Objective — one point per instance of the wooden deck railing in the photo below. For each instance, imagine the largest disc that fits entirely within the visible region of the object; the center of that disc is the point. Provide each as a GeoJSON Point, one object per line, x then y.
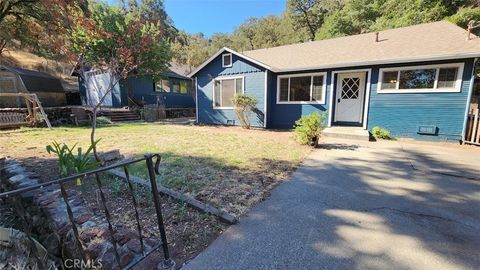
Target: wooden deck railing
{"type": "Point", "coordinates": [472, 135]}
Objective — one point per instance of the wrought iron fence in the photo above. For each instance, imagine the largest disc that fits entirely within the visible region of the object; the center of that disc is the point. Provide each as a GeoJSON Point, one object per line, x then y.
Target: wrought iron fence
{"type": "Point", "coordinates": [152, 162]}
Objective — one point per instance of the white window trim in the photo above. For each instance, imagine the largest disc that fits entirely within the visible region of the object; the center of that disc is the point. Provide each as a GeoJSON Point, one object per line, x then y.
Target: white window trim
{"type": "Point", "coordinates": [456, 89]}
{"type": "Point", "coordinates": [221, 90]}
{"type": "Point", "coordinates": [223, 60]}
{"type": "Point", "coordinates": [324, 87]}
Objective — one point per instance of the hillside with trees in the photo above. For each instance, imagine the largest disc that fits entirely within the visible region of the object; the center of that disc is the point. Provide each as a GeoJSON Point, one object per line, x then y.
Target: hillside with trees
{"type": "Point", "coordinates": [59, 30]}
{"type": "Point", "coordinates": [305, 20]}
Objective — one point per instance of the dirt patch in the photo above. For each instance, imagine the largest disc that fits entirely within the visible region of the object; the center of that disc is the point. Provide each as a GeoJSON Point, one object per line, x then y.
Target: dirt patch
{"type": "Point", "coordinates": [188, 230]}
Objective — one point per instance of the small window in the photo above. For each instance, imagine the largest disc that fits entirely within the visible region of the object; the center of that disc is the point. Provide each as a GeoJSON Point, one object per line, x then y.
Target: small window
{"type": "Point", "coordinates": [162, 86]}
{"type": "Point", "coordinates": [284, 89]}
{"type": "Point", "coordinates": [317, 88]}
{"type": "Point", "coordinates": [301, 88]}
{"type": "Point", "coordinates": [175, 87]}
{"type": "Point", "coordinates": [441, 78]}
{"type": "Point", "coordinates": [227, 60]}
{"type": "Point", "coordinates": [183, 87]}
{"type": "Point", "coordinates": [224, 90]}
{"type": "Point", "coordinates": [447, 77]}
{"type": "Point", "coordinates": [389, 80]}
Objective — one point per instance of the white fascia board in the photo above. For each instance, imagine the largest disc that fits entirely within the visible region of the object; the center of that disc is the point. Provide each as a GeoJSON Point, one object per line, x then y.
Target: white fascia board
{"type": "Point", "coordinates": [232, 52]}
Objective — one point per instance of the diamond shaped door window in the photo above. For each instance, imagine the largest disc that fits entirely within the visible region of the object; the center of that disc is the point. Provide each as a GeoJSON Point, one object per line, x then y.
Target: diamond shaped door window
{"type": "Point", "coordinates": [350, 88]}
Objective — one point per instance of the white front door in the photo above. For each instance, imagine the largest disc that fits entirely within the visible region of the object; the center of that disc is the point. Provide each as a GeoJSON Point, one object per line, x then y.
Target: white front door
{"type": "Point", "coordinates": [349, 97]}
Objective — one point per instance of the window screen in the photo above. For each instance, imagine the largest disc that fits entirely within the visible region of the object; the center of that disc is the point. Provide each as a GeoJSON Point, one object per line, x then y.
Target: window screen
{"type": "Point", "coordinates": [227, 60]}
{"type": "Point", "coordinates": [447, 77]}
{"type": "Point", "coordinates": [389, 80]}
{"type": "Point", "coordinates": [317, 88]}
{"type": "Point", "coordinates": [284, 89]}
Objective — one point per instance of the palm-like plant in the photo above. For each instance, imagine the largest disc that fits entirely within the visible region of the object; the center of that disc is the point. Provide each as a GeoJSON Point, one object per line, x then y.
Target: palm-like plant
{"type": "Point", "coordinates": [73, 163]}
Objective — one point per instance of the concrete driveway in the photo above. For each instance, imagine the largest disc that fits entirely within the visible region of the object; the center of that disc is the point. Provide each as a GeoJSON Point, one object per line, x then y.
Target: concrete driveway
{"type": "Point", "coordinates": [355, 205]}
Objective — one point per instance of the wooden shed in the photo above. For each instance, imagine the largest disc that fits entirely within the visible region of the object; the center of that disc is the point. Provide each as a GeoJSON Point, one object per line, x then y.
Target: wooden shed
{"type": "Point", "coordinates": [48, 88]}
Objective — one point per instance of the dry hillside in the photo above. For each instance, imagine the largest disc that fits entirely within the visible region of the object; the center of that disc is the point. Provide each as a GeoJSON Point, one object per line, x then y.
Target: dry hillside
{"type": "Point", "coordinates": [27, 60]}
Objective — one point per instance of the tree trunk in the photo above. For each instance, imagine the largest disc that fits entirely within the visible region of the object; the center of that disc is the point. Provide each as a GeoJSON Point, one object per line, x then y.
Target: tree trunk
{"type": "Point", "coordinates": [92, 134]}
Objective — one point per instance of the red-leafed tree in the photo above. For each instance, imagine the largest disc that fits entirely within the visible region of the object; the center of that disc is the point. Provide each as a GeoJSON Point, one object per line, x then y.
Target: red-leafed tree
{"type": "Point", "coordinates": [34, 24]}
{"type": "Point", "coordinates": [116, 41]}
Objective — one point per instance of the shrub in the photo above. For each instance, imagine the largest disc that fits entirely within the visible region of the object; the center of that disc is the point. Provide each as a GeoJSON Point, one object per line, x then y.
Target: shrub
{"type": "Point", "coordinates": [103, 121]}
{"type": "Point", "coordinates": [309, 128]}
{"type": "Point", "coordinates": [464, 15]}
{"type": "Point", "coordinates": [243, 105]}
{"type": "Point", "coordinates": [381, 133]}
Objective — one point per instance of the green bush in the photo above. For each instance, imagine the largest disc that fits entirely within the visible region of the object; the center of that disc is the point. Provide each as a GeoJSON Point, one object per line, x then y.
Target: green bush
{"type": "Point", "coordinates": [464, 15]}
{"type": "Point", "coordinates": [103, 121]}
{"type": "Point", "coordinates": [243, 105]}
{"type": "Point", "coordinates": [309, 128]}
{"type": "Point", "coordinates": [381, 133]}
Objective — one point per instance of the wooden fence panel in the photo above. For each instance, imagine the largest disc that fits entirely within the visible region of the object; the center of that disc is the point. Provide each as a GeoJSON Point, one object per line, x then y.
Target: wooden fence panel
{"type": "Point", "coordinates": [472, 135]}
{"type": "Point", "coordinates": [11, 119]}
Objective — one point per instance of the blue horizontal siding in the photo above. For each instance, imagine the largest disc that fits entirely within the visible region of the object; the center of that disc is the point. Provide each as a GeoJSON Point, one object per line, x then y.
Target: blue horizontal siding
{"type": "Point", "coordinates": [254, 78]}
{"type": "Point", "coordinates": [144, 89]}
{"type": "Point", "coordinates": [283, 116]}
{"type": "Point", "coordinates": [402, 113]}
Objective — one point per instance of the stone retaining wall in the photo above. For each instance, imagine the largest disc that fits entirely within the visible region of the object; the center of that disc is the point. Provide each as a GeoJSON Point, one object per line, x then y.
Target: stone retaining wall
{"type": "Point", "coordinates": [48, 215]}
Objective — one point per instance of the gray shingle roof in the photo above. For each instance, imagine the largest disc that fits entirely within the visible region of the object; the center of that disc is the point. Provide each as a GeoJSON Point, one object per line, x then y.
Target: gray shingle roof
{"type": "Point", "coordinates": [430, 41]}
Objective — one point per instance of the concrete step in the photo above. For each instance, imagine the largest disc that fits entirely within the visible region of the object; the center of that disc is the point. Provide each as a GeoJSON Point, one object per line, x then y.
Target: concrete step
{"type": "Point", "coordinates": [353, 133]}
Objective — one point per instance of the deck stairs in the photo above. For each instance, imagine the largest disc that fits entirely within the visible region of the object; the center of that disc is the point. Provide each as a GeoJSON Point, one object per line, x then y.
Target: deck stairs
{"type": "Point", "coordinates": [122, 115]}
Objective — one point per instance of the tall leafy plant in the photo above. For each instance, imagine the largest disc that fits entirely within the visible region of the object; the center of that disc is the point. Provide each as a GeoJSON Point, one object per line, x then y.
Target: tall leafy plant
{"type": "Point", "coordinates": [73, 163]}
{"type": "Point", "coordinates": [244, 104]}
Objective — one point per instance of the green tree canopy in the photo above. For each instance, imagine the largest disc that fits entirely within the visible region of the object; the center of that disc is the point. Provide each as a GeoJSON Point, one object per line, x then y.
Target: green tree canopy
{"type": "Point", "coordinates": [111, 38]}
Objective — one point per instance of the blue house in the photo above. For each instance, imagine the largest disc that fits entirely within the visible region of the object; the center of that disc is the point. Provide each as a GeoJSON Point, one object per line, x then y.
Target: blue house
{"type": "Point", "coordinates": [414, 81]}
{"type": "Point", "coordinates": [174, 90]}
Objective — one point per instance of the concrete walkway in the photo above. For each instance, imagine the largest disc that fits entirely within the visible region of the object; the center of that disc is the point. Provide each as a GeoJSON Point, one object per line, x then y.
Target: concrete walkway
{"type": "Point", "coordinates": [384, 205]}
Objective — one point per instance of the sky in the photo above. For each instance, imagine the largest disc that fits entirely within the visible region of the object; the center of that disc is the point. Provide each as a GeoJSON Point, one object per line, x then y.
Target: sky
{"type": "Point", "coordinates": [210, 16]}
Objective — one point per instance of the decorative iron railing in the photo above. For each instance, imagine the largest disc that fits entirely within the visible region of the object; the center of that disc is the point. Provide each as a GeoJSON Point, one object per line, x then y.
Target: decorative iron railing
{"type": "Point", "coordinates": [152, 162]}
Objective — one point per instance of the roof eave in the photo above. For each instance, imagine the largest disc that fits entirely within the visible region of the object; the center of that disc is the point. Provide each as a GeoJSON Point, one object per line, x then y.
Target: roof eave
{"type": "Point", "coordinates": [383, 62]}
{"type": "Point", "coordinates": [230, 51]}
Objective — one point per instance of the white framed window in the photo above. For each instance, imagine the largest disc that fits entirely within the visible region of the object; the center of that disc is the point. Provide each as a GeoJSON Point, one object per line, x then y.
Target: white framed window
{"type": "Point", "coordinates": [226, 60]}
{"type": "Point", "coordinates": [308, 88]}
{"type": "Point", "coordinates": [224, 89]}
{"type": "Point", "coordinates": [421, 79]}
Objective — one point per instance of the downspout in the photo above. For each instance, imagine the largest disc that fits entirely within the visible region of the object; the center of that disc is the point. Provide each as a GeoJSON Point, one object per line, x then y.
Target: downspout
{"type": "Point", "coordinates": [196, 100]}
{"type": "Point", "coordinates": [469, 98]}
{"type": "Point", "coordinates": [265, 100]}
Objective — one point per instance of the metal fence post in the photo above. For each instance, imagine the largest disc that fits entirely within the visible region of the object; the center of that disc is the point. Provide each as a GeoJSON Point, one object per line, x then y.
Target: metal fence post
{"type": "Point", "coordinates": [167, 263]}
